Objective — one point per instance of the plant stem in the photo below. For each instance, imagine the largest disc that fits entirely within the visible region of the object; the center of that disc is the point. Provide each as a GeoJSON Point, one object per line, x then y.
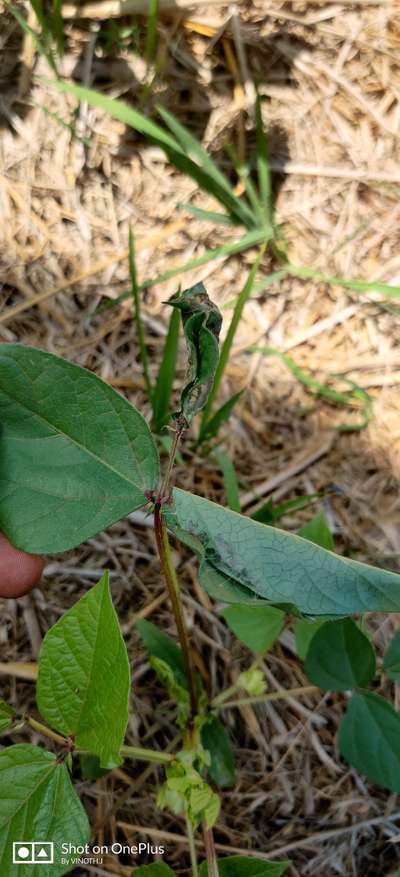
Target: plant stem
{"type": "Point", "coordinates": [164, 552]}
{"type": "Point", "coordinates": [164, 489]}
{"type": "Point", "coordinates": [192, 847]}
{"type": "Point", "coordinates": [137, 752]}
{"type": "Point", "coordinates": [44, 731]}
{"type": "Point", "coordinates": [265, 698]}
{"type": "Point", "coordinates": [141, 754]}
{"type": "Point", "coordinates": [211, 856]}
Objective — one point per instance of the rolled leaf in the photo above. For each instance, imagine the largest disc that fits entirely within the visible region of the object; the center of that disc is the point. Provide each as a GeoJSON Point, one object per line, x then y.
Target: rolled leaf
{"type": "Point", "coordinates": [201, 322]}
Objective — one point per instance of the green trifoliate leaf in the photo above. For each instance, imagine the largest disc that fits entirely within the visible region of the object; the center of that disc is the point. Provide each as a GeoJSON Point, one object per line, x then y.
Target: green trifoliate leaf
{"type": "Point", "coordinates": [201, 322]}
{"type": "Point", "coordinates": [246, 866]}
{"type": "Point", "coordinates": [157, 869]}
{"type": "Point", "coordinates": [257, 627]}
{"type": "Point", "coordinates": [391, 661]}
{"type": "Point", "coordinates": [90, 767]}
{"type": "Point", "coordinates": [242, 560]}
{"type": "Point", "coordinates": [369, 739]}
{"type": "Point", "coordinates": [253, 682]}
{"type": "Point", "coordinates": [6, 715]}
{"type": "Point", "coordinates": [215, 740]}
{"type": "Point", "coordinates": [84, 678]}
{"type": "Point", "coordinates": [185, 791]}
{"type": "Point", "coordinates": [304, 631]}
{"type": "Point", "coordinates": [37, 804]}
{"type": "Point", "coordinates": [317, 531]}
{"type": "Point", "coordinates": [340, 656]}
{"type": "Point", "coordinates": [75, 456]}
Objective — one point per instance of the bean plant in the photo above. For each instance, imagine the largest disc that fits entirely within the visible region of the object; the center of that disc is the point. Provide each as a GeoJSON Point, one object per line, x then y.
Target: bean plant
{"type": "Point", "coordinates": [75, 458]}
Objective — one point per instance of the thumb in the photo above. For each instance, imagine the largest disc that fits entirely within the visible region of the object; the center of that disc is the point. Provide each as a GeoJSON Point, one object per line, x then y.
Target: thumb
{"type": "Point", "coordinates": [19, 571]}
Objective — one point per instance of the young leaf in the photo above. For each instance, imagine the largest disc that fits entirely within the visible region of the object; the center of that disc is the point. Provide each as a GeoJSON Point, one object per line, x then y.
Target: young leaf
{"type": "Point", "coordinates": [215, 740]}
{"type": "Point", "coordinates": [6, 715]}
{"type": "Point", "coordinates": [165, 378]}
{"type": "Point", "coordinates": [37, 802]}
{"type": "Point", "coordinates": [160, 645]}
{"type": "Point", "coordinates": [246, 866]}
{"type": "Point", "coordinates": [201, 322]}
{"type": "Point", "coordinates": [157, 869]}
{"type": "Point", "coordinates": [391, 661]}
{"type": "Point", "coordinates": [84, 678]}
{"type": "Point", "coordinates": [369, 739]}
{"type": "Point", "coordinates": [245, 560]}
{"type": "Point", "coordinates": [75, 456]}
{"type": "Point", "coordinates": [340, 657]}
{"type": "Point", "coordinates": [304, 631]}
{"type": "Point", "coordinates": [258, 627]}
{"type": "Point", "coordinates": [317, 531]}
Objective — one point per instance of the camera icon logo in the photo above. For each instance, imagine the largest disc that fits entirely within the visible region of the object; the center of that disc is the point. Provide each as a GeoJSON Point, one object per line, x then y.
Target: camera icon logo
{"type": "Point", "coordinates": [37, 853]}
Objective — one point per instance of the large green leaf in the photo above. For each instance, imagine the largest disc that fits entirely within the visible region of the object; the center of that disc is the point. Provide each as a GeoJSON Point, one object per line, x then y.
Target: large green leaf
{"type": "Point", "coordinates": [258, 627]}
{"type": "Point", "coordinates": [242, 560]}
{"type": "Point", "coordinates": [369, 739]}
{"type": "Point", "coordinates": [37, 803]}
{"type": "Point", "coordinates": [246, 866]}
{"type": "Point", "coordinates": [201, 322]}
{"type": "Point", "coordinates": [215, 739]}
{"type": "Point", "coordinates": [340, 656]}
{"type": "Point", "coordinates": [391, 661]}
{"type": "Point", "coordinates": [84, 678]}
{"type": "Point", "coordinates": [74, 455]}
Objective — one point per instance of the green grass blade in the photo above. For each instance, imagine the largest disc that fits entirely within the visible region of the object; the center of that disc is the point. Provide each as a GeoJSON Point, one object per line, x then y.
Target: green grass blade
{"type": "Point", "coordinates": [218, 185]}
{"type": "Point", "coordinates": [208, 215]}
{"type": "Point", "coordinates": [250, 239]}
{"type": "Point", "coordinates": [165, 378]}
{"type": "Point", "coordinates": [269, 513]}
{"type": "Point", "coordinates": [356, 396]}
{"type": "Point", "coordinates": [226, 347]}
{"type": "Point", "coordinates": [211, 427]}
{"type": "Point", "coordinates": [263, 169]}
{"type": "Point", "coordinates": [58, 26]}
{"type": "Point", "coordinates": [151, 35]}
{"type": "Point", "coordinates": [135, 293]}
{"type": "Point", "coordinates": [230, 480]}
{"type": "Point", "coordinates": [40, 43]}
{"type": "Point", "coordinates": [355, 285]}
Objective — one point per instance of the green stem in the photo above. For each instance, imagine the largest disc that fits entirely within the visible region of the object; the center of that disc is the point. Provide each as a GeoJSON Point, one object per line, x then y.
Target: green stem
{"type": "Point", "coordinates": [265, 698]}
{"type": "Point", "coordinates": [135, 293]}
{"type": "Point", "coordinates": [137, 752]}
{"type": "Point", "coordinates": [164, 552]}
{"type": "Point", "coordinates": [192, 847]}
{"type": "Point", "coordinates": [211, 856]}
{"type": "Point", "coordinates": [44, 730]}
{"type": "Point", "coordinates": [140, 754]}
